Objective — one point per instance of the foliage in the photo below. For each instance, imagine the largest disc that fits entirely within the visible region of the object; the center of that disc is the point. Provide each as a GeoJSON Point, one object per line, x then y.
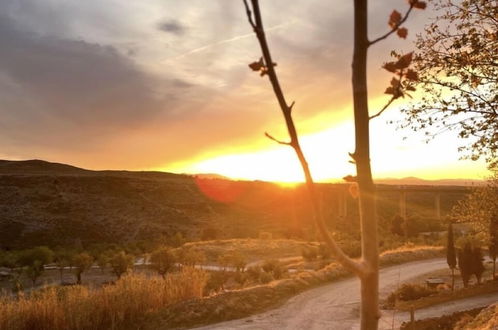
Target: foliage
{"type": "Point", "coordinates": [470, 261]}
{"type": "Point", "coordinates": [465, 263]}
{"type": "Point", "coordinates": [233, 259]}
{"type": "Point", "coordinates": [493, 241]}
{"type": "Point", "coordinates": [103, 260]}
{"type": "Point", "coordinates": [162, 260]}
{"type": "Point", "coordinates": [324, 252]}
{"type": "Point", "coordinates": [191, 257]}
{"type": "Point", "coordinates": [120, 306]}
{"type": "Point", "coordinates": [33, 260]}
{"type": "Point", "coordinates": [450, 248]}
{"type": "Point", "coordinates": [457, 66]}
{"type": "Point", "coordinates": [397, 225]}
{"type": "Point", "coordinates": [121, 263]}
{"type": "Point", "coordinates": [479, 208]}
{"type": "Point", "coordinates": [274, 268]}
{"type": "Point", "coordinates": [82, 262]}
{"type": "Point", "coordinates": [216, 282]}
{"type": "Point", "coordinates": [309, 253]}
{"type": "Point", "coordinates": [407, 292]}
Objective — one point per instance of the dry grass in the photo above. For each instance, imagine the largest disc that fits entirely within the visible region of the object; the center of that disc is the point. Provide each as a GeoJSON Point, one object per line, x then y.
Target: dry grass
{"type": "Point", "coordinates": [118, 306]}
{"type": "Point", "coordinates": [252, 249]}
{"type": "Point", "coordinates": [487, 319]}
{"type": "Point", "coordinates": [445, 296]}
{"type": "Point", "coordinates": [410, 253]}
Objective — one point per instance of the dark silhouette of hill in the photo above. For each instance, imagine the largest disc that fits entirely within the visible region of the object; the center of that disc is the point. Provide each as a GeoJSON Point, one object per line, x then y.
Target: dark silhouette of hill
{"type": "Point", "coordinates": [422, 182]}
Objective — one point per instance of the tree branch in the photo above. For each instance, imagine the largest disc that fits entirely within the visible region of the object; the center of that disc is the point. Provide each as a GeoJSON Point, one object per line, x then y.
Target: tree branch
{"type": "Point", "coordinates": [276, 140]}
{"type": "Point", "coordinates": [257, 24]}
{"type": "Point", "coordinates": [397, 26]}
{"type": "Point", "coordinates": [383, 109]}
{"type": "Point", "coordinates": [249, 15]}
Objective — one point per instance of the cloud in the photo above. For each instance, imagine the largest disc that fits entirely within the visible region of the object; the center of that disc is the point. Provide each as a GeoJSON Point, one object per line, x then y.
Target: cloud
{"type": "Point", "coordinates": [172, 26]}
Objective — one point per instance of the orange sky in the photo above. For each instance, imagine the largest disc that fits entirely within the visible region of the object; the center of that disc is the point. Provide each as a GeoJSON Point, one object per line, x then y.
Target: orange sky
{"type": "Point", "coordinates": [164, 85]}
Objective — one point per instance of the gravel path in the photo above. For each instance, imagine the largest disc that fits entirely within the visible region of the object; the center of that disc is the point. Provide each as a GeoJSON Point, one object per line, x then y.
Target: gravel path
{"type": "Point", "coordinates": [336, 305]}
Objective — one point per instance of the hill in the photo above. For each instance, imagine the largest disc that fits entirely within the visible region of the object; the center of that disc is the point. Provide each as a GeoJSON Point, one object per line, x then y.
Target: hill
{"type": "Point", "coordinates": [57, 204]}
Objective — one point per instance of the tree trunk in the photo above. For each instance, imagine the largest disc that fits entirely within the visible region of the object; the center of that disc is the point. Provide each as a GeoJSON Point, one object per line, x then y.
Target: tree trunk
{"type": "Point", "coordinates": [78, 278]}
{"type": "Point", "coordinates": [370, 256]}
{"type": "Point", "coordinates": [494, 268]}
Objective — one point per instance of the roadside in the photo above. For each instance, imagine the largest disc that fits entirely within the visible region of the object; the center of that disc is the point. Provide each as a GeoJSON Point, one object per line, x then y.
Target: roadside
{"type": "Point", "coordinates": [396, 318]}
{"type": "Point", "coordinates": [238, 304]}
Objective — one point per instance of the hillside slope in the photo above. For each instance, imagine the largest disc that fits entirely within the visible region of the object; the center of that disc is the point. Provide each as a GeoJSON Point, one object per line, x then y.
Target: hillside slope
{"type": "Point", "coordinates": [57, 204]}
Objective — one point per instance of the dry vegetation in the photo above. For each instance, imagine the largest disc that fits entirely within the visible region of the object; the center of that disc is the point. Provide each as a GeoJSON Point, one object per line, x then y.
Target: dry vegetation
{"type": "Point", "coordinates": [252, 249]}
{"type": "Point", "coordinates": [118, 306]}
{"type": "Point", "coordinates": [487, 319]}
{"type": "Point", "coordinates": [247, 301]}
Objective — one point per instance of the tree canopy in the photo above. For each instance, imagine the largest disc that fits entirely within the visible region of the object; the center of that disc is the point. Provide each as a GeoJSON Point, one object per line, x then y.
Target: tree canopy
{"type": "Point", "coordinates": [457, 65]}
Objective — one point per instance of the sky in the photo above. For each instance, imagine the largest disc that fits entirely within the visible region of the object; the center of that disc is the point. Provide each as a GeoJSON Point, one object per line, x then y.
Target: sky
{"type": "Point", "coordinates": [164, 85]}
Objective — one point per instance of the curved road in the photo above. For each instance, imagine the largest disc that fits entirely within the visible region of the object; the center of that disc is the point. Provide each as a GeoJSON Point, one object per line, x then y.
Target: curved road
{"type": "Point", "coordinates": [335, 305]}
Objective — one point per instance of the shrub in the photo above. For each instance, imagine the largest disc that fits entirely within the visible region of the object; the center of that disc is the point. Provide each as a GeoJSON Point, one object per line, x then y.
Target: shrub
{"type": "Point", "coordinates": [407, 292]}
{"type": "Point", "coordinates": [216, 282]}
{"type": "Point", "coordinates": [309, 253]}
{"type": "Point", "coordinates": [324, 251]}
{"type": "Point", "coordinates": [254, 273]}
{"type": "Point", "coordinates": [82, 262]}
{"type": "Point", "coordinates": [162, 261]}
{"type": "Point", "coordinates": [120, 263]}
{"type": "Point", "coordinates": [265, 277]}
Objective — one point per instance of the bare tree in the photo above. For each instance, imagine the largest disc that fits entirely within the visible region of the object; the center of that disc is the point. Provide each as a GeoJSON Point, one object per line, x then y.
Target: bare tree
{"type": "Point", "coordinates": [367, 268]}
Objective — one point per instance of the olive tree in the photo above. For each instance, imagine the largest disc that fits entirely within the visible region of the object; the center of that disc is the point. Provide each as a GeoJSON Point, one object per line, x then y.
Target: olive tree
{"type": "Point", "coordinates": [82, 262]}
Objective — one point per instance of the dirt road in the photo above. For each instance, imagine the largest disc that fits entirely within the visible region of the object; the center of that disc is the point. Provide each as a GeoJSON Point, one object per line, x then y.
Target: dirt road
{"type": "Point", "coordinates": [333, 306]}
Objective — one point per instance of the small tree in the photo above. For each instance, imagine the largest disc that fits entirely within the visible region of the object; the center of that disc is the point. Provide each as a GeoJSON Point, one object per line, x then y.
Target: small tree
{"type": "Point", "coordinates": [397, 225]}
{"type": "Point", "coordinates": [191, 257]}
{"type": "Point", "coordinates": [451, 254]}
{"type": "Point", "coordinates": [493, 241]}
{"type": "Point", "coordinates": [103, 260]}
{"type": "Point", "coordinates": [34, 260]}
{"type": "Point", "coordinates": [162, 261]}
{"type": "Point", "coordinates": [465, 263]}
{"type": "Point", "coordinates": [82, 262]}
{"type": "Point", "coordinates": [121, 263]}
{"type": "Point", "coordinates": [62, 258]}
{"type": "Point", "coordinates": [477, 267]}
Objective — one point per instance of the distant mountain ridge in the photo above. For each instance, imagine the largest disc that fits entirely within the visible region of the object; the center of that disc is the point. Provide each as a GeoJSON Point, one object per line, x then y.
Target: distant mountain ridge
{"type": "Point", "coordinates": [414, 181]}
{"type": "Point", "coordinates": [42, 167]}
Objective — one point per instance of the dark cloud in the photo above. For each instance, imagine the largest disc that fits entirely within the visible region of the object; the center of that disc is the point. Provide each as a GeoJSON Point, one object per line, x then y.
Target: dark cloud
{"type": "Point", "coordinates": [172, 26]}
{"type": "Point", "coordinates": [70, 90]}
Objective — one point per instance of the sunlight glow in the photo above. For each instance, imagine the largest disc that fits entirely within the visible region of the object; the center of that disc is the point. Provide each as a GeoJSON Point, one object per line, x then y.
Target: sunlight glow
{"type": "Point", "coordinates": [327, 152]}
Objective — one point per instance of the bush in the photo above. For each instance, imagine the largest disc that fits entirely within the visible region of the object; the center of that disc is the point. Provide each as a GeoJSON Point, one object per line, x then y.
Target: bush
{"type": "Point", "coordinates": [407, 292]}
{"type": "Point", "coordinates": [324, 251]}
{"type": "Point", "coordinates": [216, 282]}
{"type": "Point", "coordinates": [254, 273]}
{"type": "Point", "coordinates": [265, 277]}
{"type": "Point", "coordinates": [310, 253]}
